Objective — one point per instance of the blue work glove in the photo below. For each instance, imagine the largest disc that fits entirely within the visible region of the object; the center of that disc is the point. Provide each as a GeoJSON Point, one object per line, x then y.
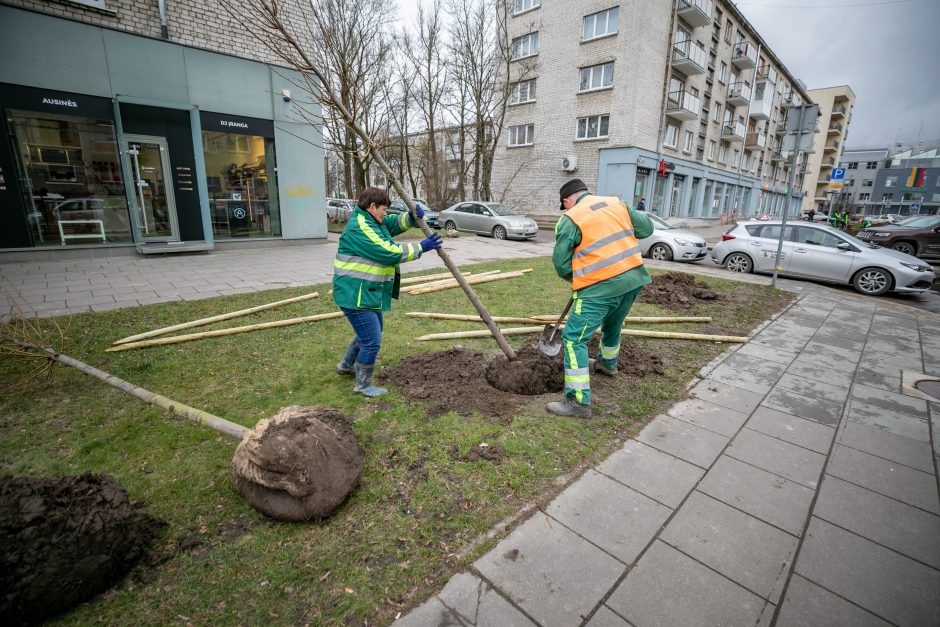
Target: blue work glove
{"type": "Point", "coordinates": [433, 242]}
{"type": "Point", "coordinates": [419, 210]}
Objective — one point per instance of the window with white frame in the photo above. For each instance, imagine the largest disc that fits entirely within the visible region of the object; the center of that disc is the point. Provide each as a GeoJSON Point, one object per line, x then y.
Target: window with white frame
{"type": "Point", "coordinates": [597, 77]}
{"type": "Point", "coordinates": [717, 112]}
{"type": "Point", "coordinates": [522, 135]}
{"type": "Point", "coordinates": [672, 136]}
{"type": "Point", "coordinates": [735, 157]}
{"type": "Point", "coordinates": [722, 71]}
{"type": "Point", "coordinates": [864, 197]}
{"type": "Point", "coordinates": [95, 4]}
{"type": "Point", "coordinates": [852, 166]}
{"type": "Point", "coordinates": [593, 126]}
{"type": "Point", "coordinates": [521, 92]}
{"type": "Point", "coordinates": [868, 183]}
{"type": "Point", "coordinates": [525, 5]}
{"type": "Point", "coordinates": [722, 153]}
{"type": "Point", "coordinates": [871, 165]}
{"type": "Point", "coordinates": [525, 46]}
{"type": "Point", "coordinates": [711, 150]}
{"type": "Point", "coordinates": [600, 24]}
{"type": "Point", "coordinates": [687, 142]}
{"type": "Point", "coordinates": [891, 181]}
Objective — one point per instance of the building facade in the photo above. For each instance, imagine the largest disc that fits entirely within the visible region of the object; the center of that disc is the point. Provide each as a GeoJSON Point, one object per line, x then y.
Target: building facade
{"type": "Point", "coordinates": [835, 113]}
{"type": "Point", "coordinates": [134, 130]}
{"type": "Point", "coordinates": [909, 184]}
{"type": "Point", "coordinates": [861, 169]}
{"type": "Point", "coordinates": [680, 103]}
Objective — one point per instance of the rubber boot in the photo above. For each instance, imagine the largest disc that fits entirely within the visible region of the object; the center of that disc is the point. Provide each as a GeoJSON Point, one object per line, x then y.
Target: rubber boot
{"type": "Point", "coordinates": [569, 407]}
{"type": "Point", "coordinates": [364, 382]}
{"type": "Point", "coordinates": [346, 365]}
{"type": "Point", "coordinates": [596, 365]}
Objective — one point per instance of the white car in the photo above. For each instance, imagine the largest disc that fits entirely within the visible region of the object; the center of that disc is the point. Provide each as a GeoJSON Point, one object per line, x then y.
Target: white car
{"type": "Point", "coordinates": [667, 243]}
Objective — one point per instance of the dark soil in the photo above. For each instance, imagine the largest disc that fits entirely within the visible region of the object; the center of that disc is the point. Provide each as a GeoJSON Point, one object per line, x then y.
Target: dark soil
{"type": "Point", "coordinates": [533, 373]}
{"type": "Point", "coordinates": [634, 360]}
{"type": "Point", "coordinates": [491, 453]}
{"type": "Point", "coordinates": [300, 464]}
{"type": "Point", "coordinates": [676, 290]}
{"type": "Point", "coordinates": [64, 540]}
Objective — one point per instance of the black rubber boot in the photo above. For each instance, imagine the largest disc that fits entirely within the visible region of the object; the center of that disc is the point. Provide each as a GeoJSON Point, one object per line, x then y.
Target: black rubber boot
{"type": "Point", "coordinates": [569, 407]}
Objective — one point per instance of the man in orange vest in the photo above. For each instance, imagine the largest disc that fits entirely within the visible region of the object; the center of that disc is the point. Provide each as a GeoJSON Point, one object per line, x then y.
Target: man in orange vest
{"type": "Point", "coordinates": [596, 249]}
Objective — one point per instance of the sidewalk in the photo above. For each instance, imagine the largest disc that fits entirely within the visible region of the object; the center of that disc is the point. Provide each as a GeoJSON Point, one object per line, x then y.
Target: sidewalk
{"type": "Point", "coordinates": [796, 486]}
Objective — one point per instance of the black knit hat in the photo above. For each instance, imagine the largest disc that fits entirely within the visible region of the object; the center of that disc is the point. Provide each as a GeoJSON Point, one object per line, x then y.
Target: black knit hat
{"type": "Point", "coordinates": [571, 187]}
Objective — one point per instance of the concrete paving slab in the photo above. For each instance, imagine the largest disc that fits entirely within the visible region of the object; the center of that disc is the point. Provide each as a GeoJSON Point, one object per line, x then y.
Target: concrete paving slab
{"type": "Point", "coordinates": [810, 370]}
{"type": "Point", "coordinates": [813, 388]}
{"type": "Point", "coordinates": [741, 547]}
{"type": "Point", "coordinates": [555, 575]}
{"type": "Point", "coordinates": [783, 426]}
{"type": "Point", "coordinates": [781, 458]}
{"type": "Point", "coordinates": [477, 603]}
{"type": "Point", "coordinates": [773, 499]}
{"type": "Point", "coordinates": [880, 380]}
{"type": "Point", "coordinates": [768, 353]}
{"type": "Point", "coordinates": [905, 529]}
{"type": "Point", "coordinates": [907, 451]}
{"type": "Point", "coordinates": [619, 520]}
{"type": "Point", "coordinates": [885, 477]}
{"type": "Point", "coordinates": [781, 342]}
{"type": "Point", "coordinates": [808, 407]}
{"type": "Point", "coordinates": [708, 416]}
{"type": "Point", "coordinates": [726, 395]}
{"type": "Point", "coordinates": [686, 441]}
{"type": "Point", "coordinates": [748, 372]}
{"type": "Point", "coordinates": [649, 471]}
{"type": "Point", "coordinates": [841, 339]}
{"type": "Point", "coordinates": [605, 617]}
{"type": "Point", "coordinates": [886, 583]}
{"type": "Point", "coordinates": [831, 357]}
{"type": "Point", "coordinates": [889, 421]}
{"type": "Point", "coordinates": [874, 359]}
{"type": "Point", "coordinates": [808, 605]}
{"type": "Point", "coordinates": [892, 401]}
{"type": "Point", "coordinates": [648, 596]}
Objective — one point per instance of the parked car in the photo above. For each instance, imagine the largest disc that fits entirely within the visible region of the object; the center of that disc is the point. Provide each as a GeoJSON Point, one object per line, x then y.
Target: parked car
{"type": "Point", "coordinates": [820, 252]}
{"type": "Point", "coordinates": [667, 243]}
{"type": "Point", "coordinates": [882, 220]}
{"type": "Point", "coordinates": [339, 209]}
{"type": "Point", "coordinates": [917, 235]}
{"type": "Point", "coordinates": [489, 218]}
{"type": "Point", "coordinates": [430, 216]}
{"type": "Point", "coordinates": [79, 209]}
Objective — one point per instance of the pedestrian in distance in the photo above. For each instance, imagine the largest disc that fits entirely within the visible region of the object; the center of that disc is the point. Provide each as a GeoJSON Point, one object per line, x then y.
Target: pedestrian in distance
{"type": "Point", "coordinates": [641, 206]}
{"type": "Point", "coordinates": [366, 279]}
{"type": "Point", "coordinates": [811, 214]}
{"type": "Point", "coordinates": [596, 248]}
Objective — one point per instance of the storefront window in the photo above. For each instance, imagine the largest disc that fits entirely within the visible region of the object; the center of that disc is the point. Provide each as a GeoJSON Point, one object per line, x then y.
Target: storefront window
{"type": "Point", "coordinates": [240, 174]}
{"type": "Point", "coordinates": [659, 195]}
{"type": "Point", "coordinates": [639, 187]}
{"type": "Point", "coordinates": [73, 176]}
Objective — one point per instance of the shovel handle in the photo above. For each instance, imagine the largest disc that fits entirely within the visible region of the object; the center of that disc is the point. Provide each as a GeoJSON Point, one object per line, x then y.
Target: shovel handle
{"type": "Point", "coordinates": [551, 338]}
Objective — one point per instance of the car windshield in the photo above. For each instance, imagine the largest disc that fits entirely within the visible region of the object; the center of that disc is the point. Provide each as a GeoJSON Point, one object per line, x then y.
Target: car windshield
{"type": "Point", "coordinates": [920, 222]}
{"type": "Point", "coordinates": [501, 210]}
{"type": "Point", "coordinates": [659, 223]}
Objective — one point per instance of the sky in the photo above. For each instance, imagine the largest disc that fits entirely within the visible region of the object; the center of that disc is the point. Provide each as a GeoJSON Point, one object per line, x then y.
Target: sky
{"type": "Point", "coordinates": [886, 50]}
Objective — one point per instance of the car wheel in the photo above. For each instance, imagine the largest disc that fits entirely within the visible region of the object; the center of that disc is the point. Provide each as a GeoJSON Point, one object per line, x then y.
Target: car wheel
{"type": "Point", "coordinates": [499, 232]}
{"type": "Point", "coordinates": [739, 262]}
{"type": "Point", "coordinates": [450, 225]}
{"type": "Point", "coordinates": [904, 247]}
{"type": "Point", "coordinates": [872, 282]}
{"type": "Point", "coordinates": [660, 252]}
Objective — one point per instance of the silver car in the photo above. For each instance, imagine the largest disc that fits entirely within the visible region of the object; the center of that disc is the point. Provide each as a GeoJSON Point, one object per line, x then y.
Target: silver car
{"type": "Point", "coordinates": [667, 243]}
{"type": "Point", "coordinates": [820, 252]}
{"type": "Point", "coordinates": [488, 218]}
{"type": "Point", "coordinates": [339, 209]}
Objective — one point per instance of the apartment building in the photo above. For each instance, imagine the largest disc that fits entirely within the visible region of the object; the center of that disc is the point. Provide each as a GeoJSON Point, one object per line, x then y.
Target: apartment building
{"type": "Point", "coordinates": [835, 114]}
{"type": "Point", "coordinates": [149, 126]}
{"type": "Point", "coordinates": [908, 183]}
{"type": "Point", "coordinates": [861, 169]}
{"type": "Point", "coordinates": [681, 103]}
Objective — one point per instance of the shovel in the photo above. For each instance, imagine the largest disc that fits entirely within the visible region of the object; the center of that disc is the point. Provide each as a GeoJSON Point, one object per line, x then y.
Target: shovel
{"type": "Point", "coordinates": [550, 342]}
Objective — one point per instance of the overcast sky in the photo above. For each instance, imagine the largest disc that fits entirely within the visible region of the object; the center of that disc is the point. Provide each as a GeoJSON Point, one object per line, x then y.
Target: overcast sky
{"type": "Point", "coordinates": [887, 51]}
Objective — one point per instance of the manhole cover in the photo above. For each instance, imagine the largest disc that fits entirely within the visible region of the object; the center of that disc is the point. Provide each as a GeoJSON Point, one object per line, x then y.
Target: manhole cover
{"type": "Point", "coordinates": [929, 387]}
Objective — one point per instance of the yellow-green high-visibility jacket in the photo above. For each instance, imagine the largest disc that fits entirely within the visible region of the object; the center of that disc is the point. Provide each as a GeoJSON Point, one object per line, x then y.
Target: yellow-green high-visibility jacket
{"type": "Point", "coordinates": [365, 271]}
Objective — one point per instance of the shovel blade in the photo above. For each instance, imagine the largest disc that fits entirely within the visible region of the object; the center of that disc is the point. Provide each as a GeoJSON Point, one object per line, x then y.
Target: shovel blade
{"type": "Point", "coordinates": [548, 345]}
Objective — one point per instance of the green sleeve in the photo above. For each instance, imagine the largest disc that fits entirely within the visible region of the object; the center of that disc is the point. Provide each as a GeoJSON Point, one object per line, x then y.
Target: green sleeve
{"type": "Point", "coordinates": [642, 225]}
{"type": "Point", "coordinates": [398, 223]}
{"type": "Point", "coordinates": [368, 243]}
{"type": "Point", "coordinates": [567, 237]}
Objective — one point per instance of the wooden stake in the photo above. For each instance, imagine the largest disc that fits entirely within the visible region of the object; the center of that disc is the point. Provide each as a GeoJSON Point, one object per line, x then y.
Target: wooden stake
{"type": "Point", "coordinates": [429, 277]}
{"type": "Point", "coordinates": [219, 318]}
{"type": "Point", "coordinates": [635, 332]}
{"type": "Point", "coordinates": [198, 336]}
{"type": "Point", "coordinates": [472, 281]}
{"type": "Point", "coordinates": [552, 319]}
{"type": "Point", "coordinates": [419, 286]}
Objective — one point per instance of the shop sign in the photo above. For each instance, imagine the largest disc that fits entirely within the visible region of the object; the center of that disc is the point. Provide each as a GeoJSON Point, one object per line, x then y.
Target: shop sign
{"type": "Point", "coordinates": [221, 122]}
{"type": "Point", "coordinates": [48, 101]}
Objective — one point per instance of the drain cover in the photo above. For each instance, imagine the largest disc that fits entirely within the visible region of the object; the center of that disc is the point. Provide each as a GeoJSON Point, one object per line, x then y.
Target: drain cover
{"type": "Point", "coordinates": [929, 387]}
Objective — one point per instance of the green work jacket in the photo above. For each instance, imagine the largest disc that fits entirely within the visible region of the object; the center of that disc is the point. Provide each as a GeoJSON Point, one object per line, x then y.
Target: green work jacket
{"type": "Point", "coordinates": [365, 271]}
{"type": "Point", "coordinates": [568, 237]}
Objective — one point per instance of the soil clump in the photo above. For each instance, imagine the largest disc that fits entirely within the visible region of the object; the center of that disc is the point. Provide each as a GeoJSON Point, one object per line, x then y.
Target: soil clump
{"type": "Point", "coordinates": [676, 290]}
{"type": "Point", "coordinates": [66, 539]}
{"type": "Point", "coordinates": [300, 464]}
{"type": "Point", "coordinates": [533, 373]}
{"type": "Point", "coordinates": [490, 453]}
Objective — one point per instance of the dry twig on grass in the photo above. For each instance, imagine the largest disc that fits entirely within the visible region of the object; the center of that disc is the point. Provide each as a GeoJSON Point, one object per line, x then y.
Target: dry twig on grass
{"type": "Point", "coordinates": [18, 330]}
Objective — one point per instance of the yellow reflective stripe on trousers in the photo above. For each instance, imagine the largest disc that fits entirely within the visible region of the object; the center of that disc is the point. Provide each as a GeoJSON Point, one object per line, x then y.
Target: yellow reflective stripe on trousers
{"type": "Point", "coordinates": [609, 352]}
{"type": "Point", "coordinates": [576, 385]}
{"type": "Point", "coordinates": [577, 306]}
{"type": "Point", "coordinates": [375, 238]}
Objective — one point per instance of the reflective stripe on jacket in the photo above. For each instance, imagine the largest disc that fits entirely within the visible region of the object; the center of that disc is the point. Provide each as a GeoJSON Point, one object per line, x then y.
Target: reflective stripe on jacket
{"type": "Point", "coordinates": [608, 245]}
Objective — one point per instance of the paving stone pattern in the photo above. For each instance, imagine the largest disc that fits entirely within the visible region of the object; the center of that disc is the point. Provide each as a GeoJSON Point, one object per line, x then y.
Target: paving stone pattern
{"type": "Point", "coordinates": [796, 486]}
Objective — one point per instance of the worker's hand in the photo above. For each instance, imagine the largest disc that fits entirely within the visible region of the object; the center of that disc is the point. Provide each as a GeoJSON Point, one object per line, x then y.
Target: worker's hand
{"type": "Point", "coordinates": [433, 242]}
{"type": "Point", "coordinates": [419, 211]}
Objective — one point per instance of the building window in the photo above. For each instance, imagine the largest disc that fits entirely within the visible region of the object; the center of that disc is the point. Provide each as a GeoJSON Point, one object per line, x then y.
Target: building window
{"type": "Point", "coordinates": [672, 136]}
{"type": "Point", "coordinates": [852, 166]}
{"type": "Point", "coordinates": [850, 183]}
{"type": "Point", "coordinates": [722, 153]}
{"type": "Point", "coordinates": [868, 183]}
{"type": "Point", "coordinates": [597, 77]}
{"type": "Point", "coordinates": [600, 24]}
{"type": "Point", "coordinates": [728, 29]}
{"type": "Point", "coordinates": [593, 127]}
{"type": "Point", "coordinates": [722, 72]}
{"type": "Point", "coordinates": [871, 165]}
{"type": "Point", "coordinates": [522, 92]}
{"type": "Point", "coordinates": [864, 197]}
{"type": "Point", "coordinates": [522, 135]}
{"type": "Point", "coordinates": [525, 46]}
{"type": "Point", "coordinates": [526, 5]}
{"type": "Point", "coordinates": [717, 112]}
{"type": "Point", "coordinates": [95, 4]}
{"type": "Point", "coordinates": [891, 181]}
{"type": "Point", "coordinates": [711, 150]}
{"type": "Point", "coordinates": [887, 197]}
{"type": "Point", "coordinates": [735, 157]}
{"type": "Point", "coordinates": [687, 143]}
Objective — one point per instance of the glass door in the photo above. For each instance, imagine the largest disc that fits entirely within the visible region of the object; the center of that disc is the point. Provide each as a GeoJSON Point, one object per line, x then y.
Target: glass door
{"type": "Point", "coordinates": [153, 188]}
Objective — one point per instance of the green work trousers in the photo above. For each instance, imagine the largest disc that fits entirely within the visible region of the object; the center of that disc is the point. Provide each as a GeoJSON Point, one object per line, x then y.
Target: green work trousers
{"type": "Point", "coordinates": [587, 315]}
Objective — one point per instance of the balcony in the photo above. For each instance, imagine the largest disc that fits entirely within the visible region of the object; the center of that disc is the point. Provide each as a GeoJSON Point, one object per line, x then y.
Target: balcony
{"type": "Point", "coordinates": [838, 111]}
{"type": "Point", "coordinates": [756, 141]}
{"type": "Point", "coordinates": [739, 94]}
{"type": "Point", "coordinates": [791, 99]}
{"type": "Point", "coordinates": [763, 106]}
{"type": "Point", "coordinates": [688, 57]}
{"type": "Point", "coordinates": [744, 57]}
{"type": "Point", "coordinates": [779, 157]}
{"type": "Point", "coordinates": [833, 147]}
{"type": "Point", "coordinates": [695, 13]}
{"type": "Point", "coordinates": [733, 131]}
{"type": "Point", "coordinates": [682, 105]}
{"type": "Point", "coordinates": [828, 163]}
{"type": "Point", "coordinates": [834, 129]}
{"type": "Point", "coordinates": [765, 73]}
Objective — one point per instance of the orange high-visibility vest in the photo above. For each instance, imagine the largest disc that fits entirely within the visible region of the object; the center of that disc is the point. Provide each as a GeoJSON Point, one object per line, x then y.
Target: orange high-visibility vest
{"type": "Point", "coordinates": [608, 246]}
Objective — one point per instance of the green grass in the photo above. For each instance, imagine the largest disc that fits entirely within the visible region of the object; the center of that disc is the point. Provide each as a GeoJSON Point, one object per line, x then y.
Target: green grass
{"type": "Point", "coordinates": [395, 538]}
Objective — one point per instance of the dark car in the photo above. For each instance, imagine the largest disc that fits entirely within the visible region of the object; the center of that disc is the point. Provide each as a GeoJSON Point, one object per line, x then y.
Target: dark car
{"type": "Point", "coordinates": [430, 216]}
{"type": "Point", "coordinates": [918, 236]}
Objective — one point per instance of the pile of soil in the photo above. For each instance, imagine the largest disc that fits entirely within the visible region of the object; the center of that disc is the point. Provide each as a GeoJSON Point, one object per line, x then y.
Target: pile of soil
{"type": "Point", "coordinates": [64, 540]}
{"type": "Point", "coordinates": [533, 373]}
{"type": "Point", "coordinates": [300, 464]}
{"type": "Point", "coordinates": [634, 360]}
{"type": "Point", "coordinates": [676, 290]}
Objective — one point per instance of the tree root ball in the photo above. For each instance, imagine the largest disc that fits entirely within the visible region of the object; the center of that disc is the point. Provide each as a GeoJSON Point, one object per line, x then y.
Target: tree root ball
{"type": "Point", "coordinates": [300, 464]}
{"type": "Point", "coordinates": [64, 540]}
{"type": "Point", "coordinates": [531, 374]}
